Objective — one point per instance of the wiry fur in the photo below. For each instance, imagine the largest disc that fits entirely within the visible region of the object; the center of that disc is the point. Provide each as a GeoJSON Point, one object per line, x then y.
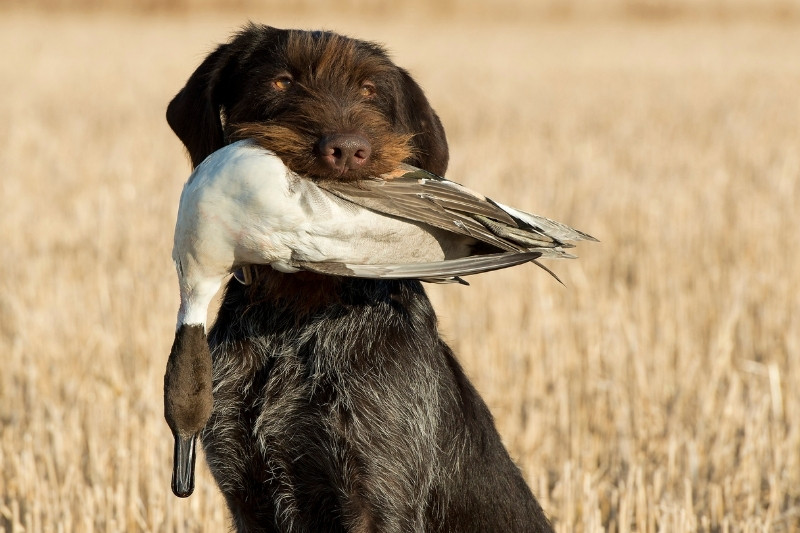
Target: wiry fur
{"type": "Point", "coordinates": [337, 406]}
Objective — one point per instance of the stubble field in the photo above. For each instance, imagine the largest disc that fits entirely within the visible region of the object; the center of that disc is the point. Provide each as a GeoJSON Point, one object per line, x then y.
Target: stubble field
{"type": "Point", "coordinates": [659, 390]}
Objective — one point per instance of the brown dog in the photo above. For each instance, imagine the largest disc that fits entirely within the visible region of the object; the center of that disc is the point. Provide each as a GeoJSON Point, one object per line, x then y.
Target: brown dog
{"type": "Point", "coordinates": [337, 406]}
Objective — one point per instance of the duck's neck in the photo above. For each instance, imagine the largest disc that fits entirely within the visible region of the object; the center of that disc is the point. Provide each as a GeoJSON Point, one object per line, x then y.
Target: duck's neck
{"type": "Point", "coordinates": [195, 299]}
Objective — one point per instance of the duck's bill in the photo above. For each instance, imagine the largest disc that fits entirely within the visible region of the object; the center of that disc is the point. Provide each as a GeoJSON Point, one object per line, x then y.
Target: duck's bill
{"type": "Point", "coordinates": [183, 466]}
{"type": "Point", "coordinates": [437, 272]}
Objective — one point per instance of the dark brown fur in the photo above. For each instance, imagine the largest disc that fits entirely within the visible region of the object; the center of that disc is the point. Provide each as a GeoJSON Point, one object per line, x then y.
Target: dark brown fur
{"type": "Point", "coordinates": [337, 406]}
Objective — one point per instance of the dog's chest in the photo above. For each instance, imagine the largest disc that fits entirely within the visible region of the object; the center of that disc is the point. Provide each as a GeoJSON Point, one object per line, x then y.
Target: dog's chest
{"type": "Point", "coordinates": [316, 409]}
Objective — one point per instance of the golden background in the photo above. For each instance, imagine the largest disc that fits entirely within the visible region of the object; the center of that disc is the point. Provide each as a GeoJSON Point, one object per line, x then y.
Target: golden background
{"type": "Point", "coordinates": [658, 391]}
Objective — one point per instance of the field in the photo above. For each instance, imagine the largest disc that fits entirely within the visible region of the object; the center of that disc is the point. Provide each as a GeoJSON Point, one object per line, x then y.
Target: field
{"type": "Point", "coordinates": [657, 390]}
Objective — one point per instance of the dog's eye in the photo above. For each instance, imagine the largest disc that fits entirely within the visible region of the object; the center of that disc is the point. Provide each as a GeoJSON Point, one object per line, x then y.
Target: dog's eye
{"type": "Point", "coordinates": [282, 83]}
{"type": "Point", "coordinates": [367, 89]}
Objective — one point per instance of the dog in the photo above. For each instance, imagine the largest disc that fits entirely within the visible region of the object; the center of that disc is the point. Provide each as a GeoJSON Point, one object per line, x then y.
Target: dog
{"type": "Point", "coordinates": [337, 405]}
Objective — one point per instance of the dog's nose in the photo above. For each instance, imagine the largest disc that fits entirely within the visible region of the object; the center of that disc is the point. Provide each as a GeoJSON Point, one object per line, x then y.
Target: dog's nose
{"type": "Point", "coordinates": [343, 152]}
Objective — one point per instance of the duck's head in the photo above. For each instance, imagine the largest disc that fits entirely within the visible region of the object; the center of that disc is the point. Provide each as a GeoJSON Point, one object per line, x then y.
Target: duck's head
{"type": "Point", "coordinates": [187, 400]}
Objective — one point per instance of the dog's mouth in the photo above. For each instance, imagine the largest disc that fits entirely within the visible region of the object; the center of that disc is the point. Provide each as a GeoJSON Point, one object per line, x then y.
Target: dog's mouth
{"type": "Point", "coordinates": [340, 156]}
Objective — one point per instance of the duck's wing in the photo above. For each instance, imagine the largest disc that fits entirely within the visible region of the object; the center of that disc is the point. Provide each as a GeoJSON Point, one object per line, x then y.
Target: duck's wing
{"type": "Point", "coordinates": [417, 195]}
{"type": "Point", "coordinates": [447, 271]}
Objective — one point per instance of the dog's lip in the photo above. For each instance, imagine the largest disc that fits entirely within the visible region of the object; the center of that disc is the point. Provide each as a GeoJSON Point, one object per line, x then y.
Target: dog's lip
{"type": "Point", "coordinates": [344, 173]}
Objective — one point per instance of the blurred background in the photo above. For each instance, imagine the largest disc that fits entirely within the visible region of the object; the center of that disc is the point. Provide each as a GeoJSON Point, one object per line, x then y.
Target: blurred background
{"type": "Point", "coordinates": [657, 390]}
{"type": "Point", "coordinates": [309, 9]}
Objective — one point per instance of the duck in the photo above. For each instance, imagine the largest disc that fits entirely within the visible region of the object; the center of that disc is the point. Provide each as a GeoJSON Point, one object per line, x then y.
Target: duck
{"type": "Point", "coordinates": [242, 206]}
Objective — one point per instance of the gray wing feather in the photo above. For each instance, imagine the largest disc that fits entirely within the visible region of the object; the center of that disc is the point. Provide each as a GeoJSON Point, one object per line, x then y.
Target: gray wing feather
{"type": "Point", "coordinates": [423, 197]}
{"type": "Point", "coordinates": [436, 271]}
{"type": "Point", "coordinates": [420, 200]}
{"type": "Point", "coordinates": [555, 229]}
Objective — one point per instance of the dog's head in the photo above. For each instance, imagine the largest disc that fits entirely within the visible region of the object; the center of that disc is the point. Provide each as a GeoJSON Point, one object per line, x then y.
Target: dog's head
{"type": "Point", "coordinates": [327, 105]}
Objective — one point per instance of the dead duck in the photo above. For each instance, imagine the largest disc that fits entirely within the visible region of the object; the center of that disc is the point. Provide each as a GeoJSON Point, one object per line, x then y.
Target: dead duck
{"type": "Point", "coordinates": [242, 206]}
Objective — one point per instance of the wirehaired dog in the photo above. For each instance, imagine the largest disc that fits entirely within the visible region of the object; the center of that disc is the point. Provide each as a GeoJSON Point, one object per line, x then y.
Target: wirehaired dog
{"type": "Point", "coordinates": [337, 406]}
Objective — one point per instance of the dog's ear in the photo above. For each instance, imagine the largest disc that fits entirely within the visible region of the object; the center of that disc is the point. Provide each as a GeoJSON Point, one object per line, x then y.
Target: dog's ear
{"type": "Point", "coordinates": [194, 113]}
{"type": "Point", "coordinates": [430, 142]}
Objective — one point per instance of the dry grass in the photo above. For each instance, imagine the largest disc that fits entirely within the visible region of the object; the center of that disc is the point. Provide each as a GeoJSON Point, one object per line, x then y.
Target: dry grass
{"type": "Point", "coordinates": [658, 391]}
